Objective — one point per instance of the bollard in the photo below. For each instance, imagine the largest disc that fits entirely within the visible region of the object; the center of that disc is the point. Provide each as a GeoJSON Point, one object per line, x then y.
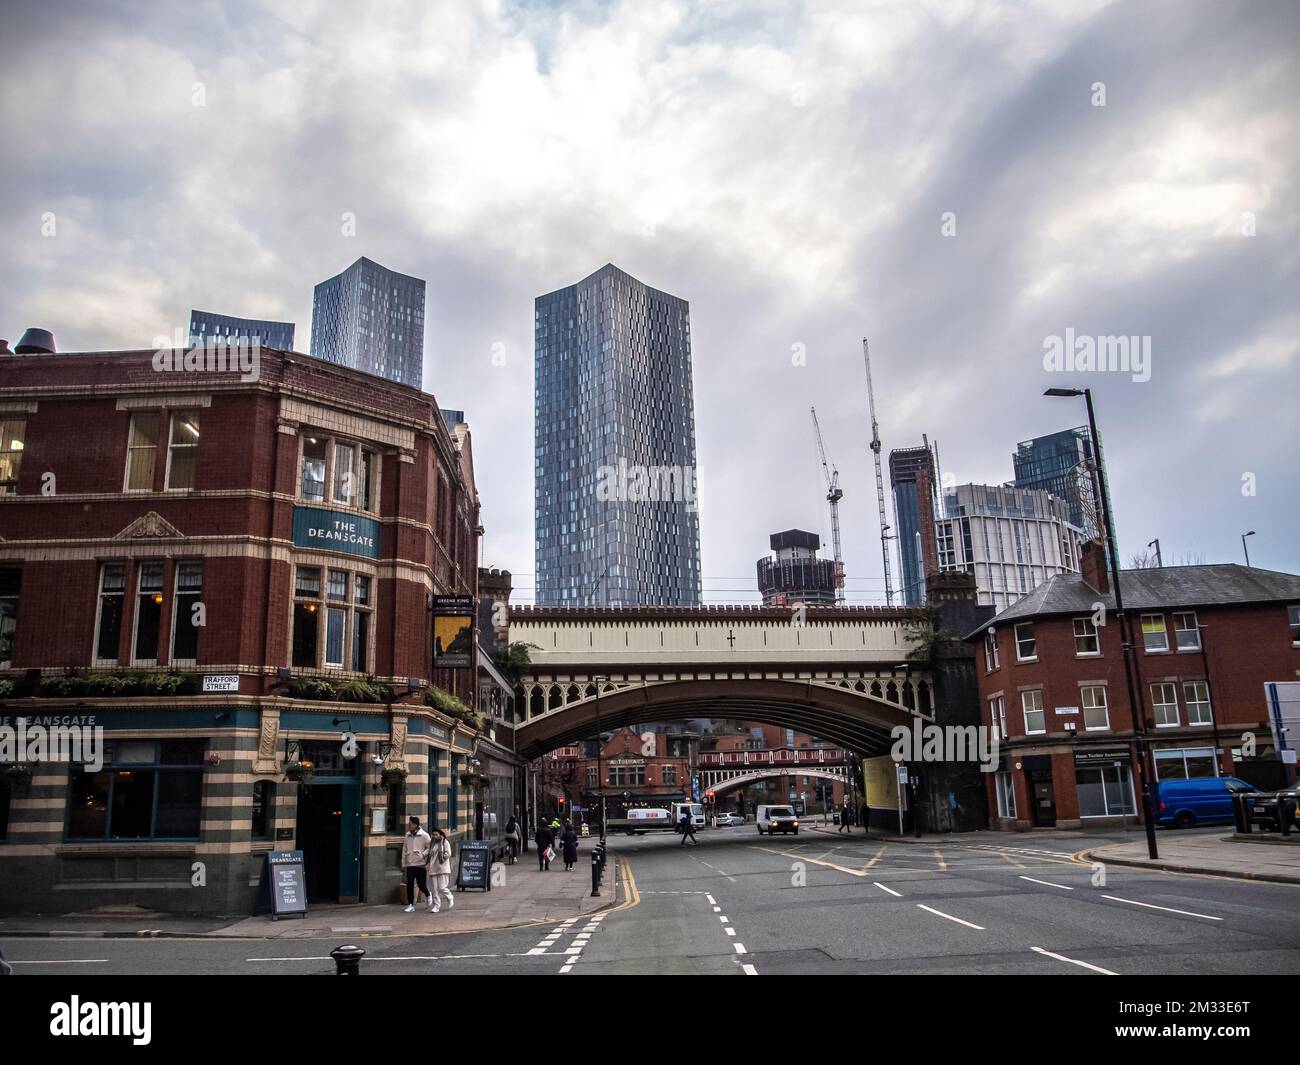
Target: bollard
{"type": "Point", "coordinates": [1286, 810]}
{"type": "Point", "coordinates": [1241, 814]}
{"type": "Point", "coordinates": [595, 873]}
{"type": "Point", "coordinates": [347, 960]}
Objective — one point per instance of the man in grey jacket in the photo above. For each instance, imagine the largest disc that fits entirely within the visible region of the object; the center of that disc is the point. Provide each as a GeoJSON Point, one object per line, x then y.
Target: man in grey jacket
{"type": "Point", "coordinates": [415, 860]}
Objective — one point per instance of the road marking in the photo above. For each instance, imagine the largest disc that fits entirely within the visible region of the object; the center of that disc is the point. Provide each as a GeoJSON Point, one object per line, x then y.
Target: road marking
{"type": "Point", "coordinates": [896, 894]}
{"type": "Point", "coordinates": [1046, 883]}
{"type": "Point", "coordinates": [729, 930]}
{"type": "Point", "coordinates": [712, 900]}
{"type": "Point", "coordinates": [873, 860]}
{"type": "Point", "coordinates": [1167, 909]}
{"type": "Point", "coordinates": [65, 961]}
{"type": "Point", "coordinates": [722, 918]}
{"type": "Point", "coordinates": [740, 948]}
{"type": "Point", "coordinates": [1074, 961]}
{"type": "Point", "coordinates": [939, 858]}
{"type": "Point", "coordinates": [1010, 860]}
{"type": "Point", "coordinates": [940, 913]}
{"type": "Point", "coordinates": [717, 909]}
{"type": "Point", "coordinates": [815, 861]}
{"type": "Point", "coordinates": [749, 970]}
{"type": "Point", "coordinates": [566, 968]}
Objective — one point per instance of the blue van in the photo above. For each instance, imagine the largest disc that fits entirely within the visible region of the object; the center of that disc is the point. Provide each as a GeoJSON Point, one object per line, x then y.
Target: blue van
{"type": "Point", "coordinates": [1184, 803]}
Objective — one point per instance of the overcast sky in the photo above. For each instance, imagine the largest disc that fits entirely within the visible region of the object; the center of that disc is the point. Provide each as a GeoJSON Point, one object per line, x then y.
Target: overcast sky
{"type": "Point", "coordinates": [786, 168]}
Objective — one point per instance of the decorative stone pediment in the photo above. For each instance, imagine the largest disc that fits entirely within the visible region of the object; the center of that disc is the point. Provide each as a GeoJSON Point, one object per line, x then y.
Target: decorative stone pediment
{"type": "Point", "coordinates": [152, 526]}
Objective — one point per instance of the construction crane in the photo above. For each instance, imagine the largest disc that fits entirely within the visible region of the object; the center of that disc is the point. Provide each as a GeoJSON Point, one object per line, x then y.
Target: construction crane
{"type": "Point", "coordinates": [880, 480]}
{"type": "Point", "coordinates": [833, 496]}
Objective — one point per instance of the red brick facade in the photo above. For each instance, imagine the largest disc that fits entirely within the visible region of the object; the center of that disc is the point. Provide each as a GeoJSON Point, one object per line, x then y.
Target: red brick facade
{"type": "Point", "coordinates": [1203, 697]}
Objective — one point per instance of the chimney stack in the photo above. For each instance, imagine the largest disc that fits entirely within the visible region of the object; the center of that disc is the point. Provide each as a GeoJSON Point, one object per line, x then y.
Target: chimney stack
{"type": "Point", "coordinates": [1092, 566]}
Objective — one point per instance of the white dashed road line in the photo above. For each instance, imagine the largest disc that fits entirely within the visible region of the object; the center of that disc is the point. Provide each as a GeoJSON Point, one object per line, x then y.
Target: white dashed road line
{"type": "Point", "coordinates": [1167, 909]}
{"type": "Point", "coordinates": [1074, 961]}
{"type": "Point", "coordinates": [1046, 883]}
{"type": "Point", "coordinates": [950, 917]}
{"type": "Point", "coordinates": [896, 894]}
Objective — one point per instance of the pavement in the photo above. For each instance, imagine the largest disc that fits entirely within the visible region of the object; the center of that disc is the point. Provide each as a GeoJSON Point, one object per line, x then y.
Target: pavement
{"type": "Point", "coordinates": [521, 896]}
{"type": "Point", "coordinates": [1258, 856]}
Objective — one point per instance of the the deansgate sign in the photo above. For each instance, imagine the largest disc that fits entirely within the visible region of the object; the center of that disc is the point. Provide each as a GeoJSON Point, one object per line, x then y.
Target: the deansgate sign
{"type": "Point", "coordinates": [336, 530]}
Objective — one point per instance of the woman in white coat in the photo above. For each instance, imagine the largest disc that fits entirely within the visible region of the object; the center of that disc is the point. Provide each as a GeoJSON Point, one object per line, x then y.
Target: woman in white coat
{"type": "Point", "coordinates": [440, 871]}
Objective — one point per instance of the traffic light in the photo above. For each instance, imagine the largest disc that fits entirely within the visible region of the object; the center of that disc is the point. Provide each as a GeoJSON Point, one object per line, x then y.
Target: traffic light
{"type": "Point", "coordinates": [561, 801]}
{"type": "Point", "coordinates": [710, 796]}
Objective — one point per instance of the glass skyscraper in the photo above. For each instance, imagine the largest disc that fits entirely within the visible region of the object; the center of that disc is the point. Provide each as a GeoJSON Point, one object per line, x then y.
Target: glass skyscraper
{"type": "Point", "coordinates": [909, 514]}
{"type": "Point", "coordinates": [371, 319]}
{"type": "Point", "coordinates": [269, 334]}
{"type": "Point", "coordinates": [615, 446]}
{"type": "Point", "coordinates": [1061, 464]}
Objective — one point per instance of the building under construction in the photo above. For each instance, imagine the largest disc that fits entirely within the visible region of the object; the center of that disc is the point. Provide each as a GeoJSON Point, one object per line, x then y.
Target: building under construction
{"type": "Point", "coordinates": [796, 574]}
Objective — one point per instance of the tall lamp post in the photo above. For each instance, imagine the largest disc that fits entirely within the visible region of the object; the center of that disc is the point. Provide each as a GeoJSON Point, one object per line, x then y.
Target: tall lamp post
{"type": "Point", "coordinates": [600, 775]}
{"type": "Point", "coordinates": [1139, 726]}
{"type": "Point", "coordinates": [1244, 547]}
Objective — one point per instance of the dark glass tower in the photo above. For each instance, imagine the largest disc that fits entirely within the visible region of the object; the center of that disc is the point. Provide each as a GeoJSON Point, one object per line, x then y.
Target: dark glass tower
{"type": "Point", "coordinates": [269, 334]}
{"type": "Point", "coordinates": [371, 319]}
{"type": "Point", "coordinates": [1060, 464]}
{"type": "Point", "coordinates": [615, 446]}
{"type": "Point", "coordinates": [910, 512]}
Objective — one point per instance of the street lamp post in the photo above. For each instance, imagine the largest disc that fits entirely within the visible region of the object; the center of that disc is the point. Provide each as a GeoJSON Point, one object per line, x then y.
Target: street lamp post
{"type": "Point", "coordinates": [1139, 727]}
{"type": "Point", "coordinates": [1244, 547]}
{"type": "Point", "coordinates": [600, 775]}
{"type": "Point", "coordinates": [1159, 561]}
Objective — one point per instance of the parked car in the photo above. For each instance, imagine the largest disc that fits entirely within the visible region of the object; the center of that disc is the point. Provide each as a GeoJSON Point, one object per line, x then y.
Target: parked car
{"type": "Point", "coordinates": [1264, 809]}
{"type": "Point", "coordinates": [728, 820]}
{"type": "Point", "coordinates": [1202, 801]}
{"type": "Point", "coordinates": [774, 819]}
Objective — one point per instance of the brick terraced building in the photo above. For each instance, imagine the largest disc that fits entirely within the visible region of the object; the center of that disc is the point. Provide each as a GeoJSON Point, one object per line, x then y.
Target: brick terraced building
{"type": "Point", "coordinates": [283, 532]}
{"type": "Point", "coordinates": [1207, 640]}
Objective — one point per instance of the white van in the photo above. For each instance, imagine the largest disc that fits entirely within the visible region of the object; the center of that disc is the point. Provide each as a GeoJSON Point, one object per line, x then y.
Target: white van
{"type": "Point", "coordinates": [773, 819]}
{"type": "Point", "coordinates": [695, 810]}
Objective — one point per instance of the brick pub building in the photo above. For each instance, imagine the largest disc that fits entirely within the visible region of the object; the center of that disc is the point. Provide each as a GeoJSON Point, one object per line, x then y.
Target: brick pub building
{"type": "Point", "coordinates": [284, 532]}
{"type": "Point", "coordinates": [1206, 641]}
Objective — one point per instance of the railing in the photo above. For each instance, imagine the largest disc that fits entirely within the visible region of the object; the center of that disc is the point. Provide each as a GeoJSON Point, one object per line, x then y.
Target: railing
{"type": "Point", "coordinates": [780, 756]}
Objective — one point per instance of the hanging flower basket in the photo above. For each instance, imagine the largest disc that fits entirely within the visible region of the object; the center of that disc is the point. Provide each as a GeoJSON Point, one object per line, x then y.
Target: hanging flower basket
{"type": "Point", "coordinates": [390, 775]}
{"type": "Point", "coordinates": [475, 781]}
{"type": "Point", "coordinates": [302, 772]}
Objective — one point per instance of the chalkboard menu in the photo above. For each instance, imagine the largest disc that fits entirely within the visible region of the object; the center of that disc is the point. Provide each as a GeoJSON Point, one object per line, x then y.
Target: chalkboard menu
{"type": "Point", "coordinates": [475, 867]}
{"type": "Point", "coordinates": [286, 878]}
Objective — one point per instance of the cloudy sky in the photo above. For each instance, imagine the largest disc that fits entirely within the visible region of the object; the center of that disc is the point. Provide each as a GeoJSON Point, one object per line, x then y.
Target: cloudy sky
{"type": "Point", "coordinates": [957, 181]}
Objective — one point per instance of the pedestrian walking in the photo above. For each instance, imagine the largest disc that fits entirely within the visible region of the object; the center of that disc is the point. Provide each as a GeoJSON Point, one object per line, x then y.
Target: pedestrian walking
{"type": "Point", "coordinates": [844, 819]}
{"type": "Point", "coordinates": [513, 838]}
{"type": "Point", "coordinates": [440, 870]}
{"type": "Point", "coordinates": [415, 859]}
{"type": "Point", "coordinates": [569, 845]}
{"type": "Point", "coordinates": [866, 816]}
{"type": "Point", "coordinates": [544, 839]}
{"type": "Point", "coordinates": [687, 829]}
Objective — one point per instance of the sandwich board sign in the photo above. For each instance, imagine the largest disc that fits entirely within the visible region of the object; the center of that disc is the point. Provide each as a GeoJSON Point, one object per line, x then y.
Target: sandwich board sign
{"type": "Point", "coordinates": [286, 879]}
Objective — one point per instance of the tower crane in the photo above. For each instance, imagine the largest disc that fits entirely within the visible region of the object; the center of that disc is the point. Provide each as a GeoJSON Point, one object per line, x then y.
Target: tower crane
{"type": "Point", "coordinates": [833, 496]}
{"type": "Point", "coordinates": [880, 481]}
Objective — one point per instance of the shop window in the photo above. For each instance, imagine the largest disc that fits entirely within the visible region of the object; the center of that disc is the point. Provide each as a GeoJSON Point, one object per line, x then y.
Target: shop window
{"type": "Point", "coordinates": [1293, 618]}
{"type": "Point", "coordinates": [185, 616]}
{"type": "Point", "coordinates": [435, 759]}
{"type": "Point", "coordinates": [1104, 791]}
{"type": "Point", "coordinates": [141, 451]}
{"type": "Point", "coordinates": [182, 450]}
{"type": "Point", "coordinates": [13, 435]}
{"type": "Point", "coordinates": [148, 612]}
{"type": "Point", "coordinates": [148, 790]}
{"type": "Point", "coordinates": [1006, 793]}
{"type": "Point", "coordinates": [1186, 763]}
{"type": "Point", "coordinates": [314, 451]}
